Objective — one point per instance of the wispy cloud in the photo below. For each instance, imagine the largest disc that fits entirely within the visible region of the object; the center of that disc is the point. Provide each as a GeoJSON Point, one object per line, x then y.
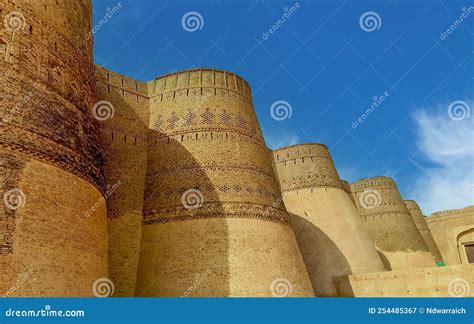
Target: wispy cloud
{"type": "Point", "coordinates": [281, 139]}
{"type": "Point", "coordinates": [449, 145]}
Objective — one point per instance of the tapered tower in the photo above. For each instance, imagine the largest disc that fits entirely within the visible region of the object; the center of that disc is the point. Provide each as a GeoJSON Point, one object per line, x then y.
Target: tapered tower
{"type": "Point", "coordinates": [420, 222]}
{"type": "Point", "coordinates": [214, 222]}
{"type": "Point", "coordinates": [53, 231]}
{"type": "Point", "coordinates": [346, 186]}
{"type": "Point", "coordinates": [330, 233]}
{"type": "Point", "coordinates": [390, 224]}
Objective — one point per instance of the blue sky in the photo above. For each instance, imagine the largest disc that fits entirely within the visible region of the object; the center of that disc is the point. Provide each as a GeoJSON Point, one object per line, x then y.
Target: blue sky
{"type": "Point", "coordinates": [330, 65]}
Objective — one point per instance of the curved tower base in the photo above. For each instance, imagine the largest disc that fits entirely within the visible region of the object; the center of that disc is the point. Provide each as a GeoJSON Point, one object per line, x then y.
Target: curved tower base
{"type": "Point", "coordinates": [390, 224]}
{"type": "Point", "coordinates": [219, 258]}
{"type": "Point", "coordinates": [55, 251]}
{"type": "Point", "coordinates": [214, 222]}
{"type": "Point", "coordinates": [328, 228]}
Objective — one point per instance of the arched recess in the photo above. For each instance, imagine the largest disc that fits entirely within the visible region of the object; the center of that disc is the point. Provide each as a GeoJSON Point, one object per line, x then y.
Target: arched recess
{"type": "Point", "coordinates": [465, 244]}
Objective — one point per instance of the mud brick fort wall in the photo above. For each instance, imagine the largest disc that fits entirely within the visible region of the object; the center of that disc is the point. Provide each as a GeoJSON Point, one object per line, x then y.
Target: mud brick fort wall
{"type": "Point", "coordinates": [390, 224]}
{"type": "Point", "coordinates": [420, 223]}
{"type": "Point", "coordinates": [123, 111]}
{"type": "Point", "coordinates": [210, 194]}
{"type": "Point", "coordinates": [322, 214]}
{"type": "Point", "coordinates": [166, 185]}
{"type": "Point", "coordinates": [452, 229]}
{"type": "Point", "coordinates": [49, 150]}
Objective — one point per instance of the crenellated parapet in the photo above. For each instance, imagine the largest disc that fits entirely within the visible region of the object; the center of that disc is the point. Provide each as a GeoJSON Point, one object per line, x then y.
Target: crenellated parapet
{"type": "Point", "coordinates": [305, 166]}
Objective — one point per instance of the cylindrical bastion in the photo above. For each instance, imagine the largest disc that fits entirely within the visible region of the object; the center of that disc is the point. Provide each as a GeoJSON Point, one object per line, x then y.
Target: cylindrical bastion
{"type": "Point", "coordinates": [330, 233]}
{"type": "Point", "coordinates": [390, 224]}
{"type": "Point", "coordinates": [214, 223]}
{"type": "Point", "coordinates": [53, 227]}
{"type": "Point", "coordinates": [420, 222]}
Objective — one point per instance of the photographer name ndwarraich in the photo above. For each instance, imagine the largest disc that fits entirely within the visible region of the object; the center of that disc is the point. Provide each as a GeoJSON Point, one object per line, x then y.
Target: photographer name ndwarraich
{"type": "Point", "coordinates": [416, 310]}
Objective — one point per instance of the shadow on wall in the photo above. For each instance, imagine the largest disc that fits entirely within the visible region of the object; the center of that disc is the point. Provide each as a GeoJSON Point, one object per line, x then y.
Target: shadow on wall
{"type": "Point", "coordinates": [316, 247]}
{"type": "Point", "coordinates": [385, 260]}
{"type": "Point", "coordinates": [123, 146]}
{"type": "Point", "coordinates": [184, 248]}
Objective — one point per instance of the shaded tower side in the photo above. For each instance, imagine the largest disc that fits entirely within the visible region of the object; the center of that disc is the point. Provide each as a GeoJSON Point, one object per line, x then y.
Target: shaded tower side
{"type": "Point", "coordinates": [346, 186]}
{"type": "Point", "coordinates": [453, 232]}
{"type": "Point", "coordinates": [123, 115]}
{"type": "Point", "coordinates": [420, 223]}
{"type": "Point", "coordinates": [213, 223]}
{"type": "Point", "coordinates": [390, 224]}
{"type": "Point", "coordinates": [322, 216]}
{"type": "Point", "coordinates": [53, 229]}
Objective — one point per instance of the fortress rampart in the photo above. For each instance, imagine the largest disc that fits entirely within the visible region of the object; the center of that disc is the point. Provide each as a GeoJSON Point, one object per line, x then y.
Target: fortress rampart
{"type": "Point", "coordinates": [124, 117]}
{"type": "Point", "coordinates": [420, 223]}
{"type": "Point", "coordinates": [167, 187]}
{"type": "Point", "coordinates": [51, 167]}
{"type": "Point", "coordinates": [453, 232]}
{"type": "Point", "coordinates": [390, 224]}
{"type": "Point", "coordinates": [211, 197]}
{"type": "Point", "coordinates": [322, 214]}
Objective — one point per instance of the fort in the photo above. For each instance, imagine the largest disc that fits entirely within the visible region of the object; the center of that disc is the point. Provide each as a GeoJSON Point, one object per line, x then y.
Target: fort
{"type": "Point", "coordinates": [167, 188]}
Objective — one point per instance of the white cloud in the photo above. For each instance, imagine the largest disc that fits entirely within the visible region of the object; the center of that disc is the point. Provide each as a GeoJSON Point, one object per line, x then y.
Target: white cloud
{"type": "Point", "coordinates": [277, 140]}
{"type": "Point", "coordinates": [449, 145]}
